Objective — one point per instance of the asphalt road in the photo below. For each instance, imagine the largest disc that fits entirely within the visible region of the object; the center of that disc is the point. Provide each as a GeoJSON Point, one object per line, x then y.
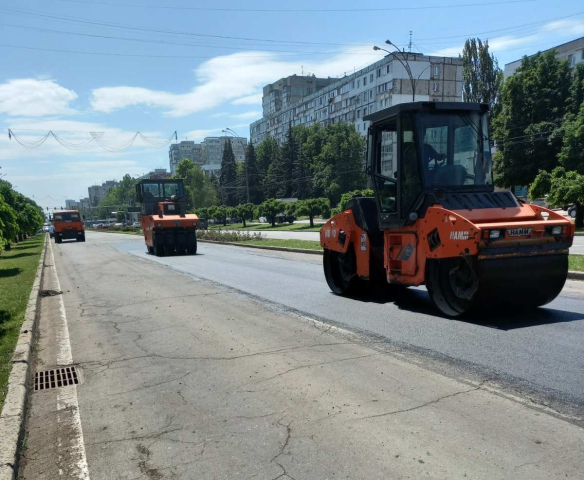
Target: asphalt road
{"type": "Point", "coordinates": [540, 351]}
{"type": "Point", "coordinates": [186, 378]}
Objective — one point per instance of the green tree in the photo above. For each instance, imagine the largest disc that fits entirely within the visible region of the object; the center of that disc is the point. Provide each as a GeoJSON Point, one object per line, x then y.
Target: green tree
{"type": "Point", "coordinates": [339, 166]}
{"type": "Point", "coordinates": [482, 77]}
{"type": "Point", "coordinates": [8, 225]}
{"type": "Point", "coordinates": [312, 207]}
{"type": "Point", "coordinates": [346, 197]}
{"type": "Point", "coordinates": [252, 173]}
{"type": "Point", "coordinates": [228, 176]}
{"type": "Point", "coordinates": [576, 89]}
{"type": "Point", "coordinates": [270, 209]}
{"type": "Point", "coordinates": [528, 130]}
{"type": "Point", "coordinates": [245, 212]}
{"type": "Point", "coordinates": [199, 189]}
{"type": "Point", "coordinates": [267, 152]}
{"type": "Point", "coordinates": [564, 187]}
{"type": "Point", "coordinates": [289, 160]}
{"type": "Point", "coordinates": [572, 153]}
{"type": "Point", "coordinates": [220, 213]}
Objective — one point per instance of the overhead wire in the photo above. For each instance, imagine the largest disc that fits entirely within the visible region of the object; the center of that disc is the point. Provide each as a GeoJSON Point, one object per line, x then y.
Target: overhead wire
{"type": "Point", "coordinates": [298, 10]}
{"type": "Point", "coordinates": [96, 137]}
{"type": "Point", "coordinates": [161, 42]}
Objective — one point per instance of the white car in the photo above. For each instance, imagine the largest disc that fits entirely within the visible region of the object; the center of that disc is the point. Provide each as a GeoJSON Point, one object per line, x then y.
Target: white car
{"type": "Point", "coordinates": [119, 224]}
{"type": "Point", "coordinates": [136, 224]}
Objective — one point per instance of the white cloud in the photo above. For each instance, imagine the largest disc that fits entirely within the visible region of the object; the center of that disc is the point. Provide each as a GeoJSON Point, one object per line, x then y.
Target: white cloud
{"type": "Point", "coordinates": [35, 98]}
{"type": "Point", "coordinates": [566, 27]}
{"type": "Point", "coordinates": [227, 78]}
{"type": "Point", "coordinates": [254, 99]}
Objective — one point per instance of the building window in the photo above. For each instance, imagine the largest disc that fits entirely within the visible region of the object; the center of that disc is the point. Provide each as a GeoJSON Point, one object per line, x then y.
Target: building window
{"type": "Point", "coordinates": [364, 81]}
{"type": "Point", "coordinates": [378, 72]}
{"type": "Point", "coordinates": [436, 71]}
{"type": "Point", "coordinates": [365, 111]}
{"type": "Point", "coordinates": [572, 60]}
{"type": "Point", "coordinates": [371, 78]}
{"type": "Point", "coordinates": [436, 87]}
{"type": "Point", "coordinates": [364, 96]}
{"type": "Point", "coordinates": [370, 94]}
{"type": "Point", "coordinates": [358, 83]}
{"type": "Point", "coordinates": [389, 68]}
{"type": "Point", "coordinates": [358, 113]}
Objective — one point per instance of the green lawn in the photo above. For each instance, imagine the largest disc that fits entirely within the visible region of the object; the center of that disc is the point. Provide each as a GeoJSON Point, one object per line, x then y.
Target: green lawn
{"type": "Point", "coordinates": [576, 263]}
{"type": "Point", "coordinates": [269, 242]}
{"type": "Point", "coordinates": [299, 227]}
{"type": "Point", "coordinates": [18, 267]}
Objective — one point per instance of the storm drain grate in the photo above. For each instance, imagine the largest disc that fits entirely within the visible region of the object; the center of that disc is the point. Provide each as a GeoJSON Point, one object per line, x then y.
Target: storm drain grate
{"type": "Point", "coordinates": [50, 293]}
{"type": "Point", "coordinates": [59, 377]}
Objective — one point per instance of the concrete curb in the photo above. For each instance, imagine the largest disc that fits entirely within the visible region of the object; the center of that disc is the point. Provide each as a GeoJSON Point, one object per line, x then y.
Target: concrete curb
{"type": "Point", "coordinates": [14, 410]}
{"type": "Point", "coordinates": [576, 276]}
{"type": "Point", "coordinates": [279, 249]}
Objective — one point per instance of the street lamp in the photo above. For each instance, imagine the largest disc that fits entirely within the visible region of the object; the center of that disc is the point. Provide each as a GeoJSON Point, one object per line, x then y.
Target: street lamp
{"type": "Point", "coordinates": [406, 66]}
{"type": "Point", "coordinates": [228, 130]}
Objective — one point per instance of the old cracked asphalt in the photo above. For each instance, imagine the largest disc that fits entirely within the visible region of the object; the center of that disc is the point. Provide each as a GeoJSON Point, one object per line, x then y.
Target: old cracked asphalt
{"type": "Point", "coordinates": [212, 367]}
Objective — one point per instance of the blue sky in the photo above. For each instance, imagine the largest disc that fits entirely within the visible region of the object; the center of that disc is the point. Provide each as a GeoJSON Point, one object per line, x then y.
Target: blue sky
{"type": "Point", "coordinates": [179, 68]}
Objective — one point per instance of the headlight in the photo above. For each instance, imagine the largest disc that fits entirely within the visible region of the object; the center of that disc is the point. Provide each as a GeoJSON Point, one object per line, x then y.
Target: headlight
{"type": "Point", "coordinates": [494, 234]}
{"type": "Point", "coordinates": [557, 230]}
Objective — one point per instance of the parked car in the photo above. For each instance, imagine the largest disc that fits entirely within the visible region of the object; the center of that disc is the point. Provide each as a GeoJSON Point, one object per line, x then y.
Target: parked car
{"type": "Point", "coordinates": [136, 224]}
{"type": "Point", "coordinates": [263, 220]}
{"type": "Point", "coordinates": [51, 231]}
{"type": "Point", "coordinates": [118, 224]}
{"type": "Point", "coordinates": [203, 224]}
{"type": "Point", "coordinates": [572, 211]}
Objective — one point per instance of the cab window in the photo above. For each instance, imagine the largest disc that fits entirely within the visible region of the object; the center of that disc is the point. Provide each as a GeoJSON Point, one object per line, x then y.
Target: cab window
{"type": "Point", "coordinates": [151, 190]}
{"type": "Point", "coordinates": [66, 217]}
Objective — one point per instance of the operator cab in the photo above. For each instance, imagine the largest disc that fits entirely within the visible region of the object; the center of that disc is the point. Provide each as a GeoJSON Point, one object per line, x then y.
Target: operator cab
{"type": "Point", "coordinates": [423, 153]}
{"type": "Point", "coordinates": [162, 197]}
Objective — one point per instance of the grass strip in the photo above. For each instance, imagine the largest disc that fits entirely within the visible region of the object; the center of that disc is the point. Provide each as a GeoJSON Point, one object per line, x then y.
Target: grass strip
{"type": "Point", "coordinates": [283, 227]}
{"type": "Point", "coordinates": [576, 263]}
{"type": "Point", "coordinates": [18, 268]}
{"type": "Point", "coordinates": [269, 242]}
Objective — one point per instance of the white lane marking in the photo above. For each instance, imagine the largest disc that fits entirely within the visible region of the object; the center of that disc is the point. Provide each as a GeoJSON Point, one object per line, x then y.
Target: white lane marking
{"type": "Point", "coordinates": [67, 397]}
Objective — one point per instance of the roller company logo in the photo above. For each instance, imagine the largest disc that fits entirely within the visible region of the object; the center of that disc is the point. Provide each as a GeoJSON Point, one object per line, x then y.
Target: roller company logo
{"type": "Point", "coordinates": [459, 235]}
{"type": "Point", "coordinates": [519, 232]}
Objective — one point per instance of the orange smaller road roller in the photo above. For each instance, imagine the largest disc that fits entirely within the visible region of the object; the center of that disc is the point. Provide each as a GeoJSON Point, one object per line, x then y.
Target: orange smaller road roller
{"type": "Point", "coordinates": [437, 220]}
{"type": "Point", "coordinates": [168, 229]}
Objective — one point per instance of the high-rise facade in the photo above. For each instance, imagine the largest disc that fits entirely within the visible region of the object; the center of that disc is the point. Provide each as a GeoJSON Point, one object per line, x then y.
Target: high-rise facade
{"type": "Point", "coordinates": [185, 149]}
{"type": "Point", "coordinates": [207, 154]}
{"type": "Point", "coordinates": [349, 99]}
{"type": "Point", "coordinates": [572, 52]}
{"type": "Point", "coordinates": [97, 193]}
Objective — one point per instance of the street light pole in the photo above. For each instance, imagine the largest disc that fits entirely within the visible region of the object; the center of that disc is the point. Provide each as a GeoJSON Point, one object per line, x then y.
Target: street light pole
{"type": "Point", "coordinates": [228, 130]}
{"type": "Point", "coordinates": [406, 66]}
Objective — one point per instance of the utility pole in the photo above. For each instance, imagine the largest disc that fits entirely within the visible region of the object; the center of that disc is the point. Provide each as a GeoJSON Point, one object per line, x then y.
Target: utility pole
{"type": "Point", "coordinates": [410, 45]}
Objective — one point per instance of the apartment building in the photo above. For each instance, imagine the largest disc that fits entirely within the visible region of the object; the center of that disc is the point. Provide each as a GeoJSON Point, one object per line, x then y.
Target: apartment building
{"type": "Point", "coordinates": [98, 192]}
{"type": "Point", "coordinates": [207, 154]}
{"type": "Point", "coordinates": [572, 51]}
{"type": "Point", "coordinates": [71, 205]}
{"type": "Point", "coordinates": [349, 99]}
{"type": "Point", "coordinates": [185, 149]}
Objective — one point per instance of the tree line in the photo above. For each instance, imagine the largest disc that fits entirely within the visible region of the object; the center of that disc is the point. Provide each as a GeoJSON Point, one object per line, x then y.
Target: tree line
{"type": "Point", "coordinates": [537, 126]}
{"type": "Point", "coordinates": [537, 123]}
{"type": "Point", "coordinates": [20, 216]}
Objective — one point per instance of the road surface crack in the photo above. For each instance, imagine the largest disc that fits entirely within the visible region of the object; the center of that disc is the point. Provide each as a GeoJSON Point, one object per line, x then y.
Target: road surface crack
{"type": "Point", "coordinates": [432, 402]}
